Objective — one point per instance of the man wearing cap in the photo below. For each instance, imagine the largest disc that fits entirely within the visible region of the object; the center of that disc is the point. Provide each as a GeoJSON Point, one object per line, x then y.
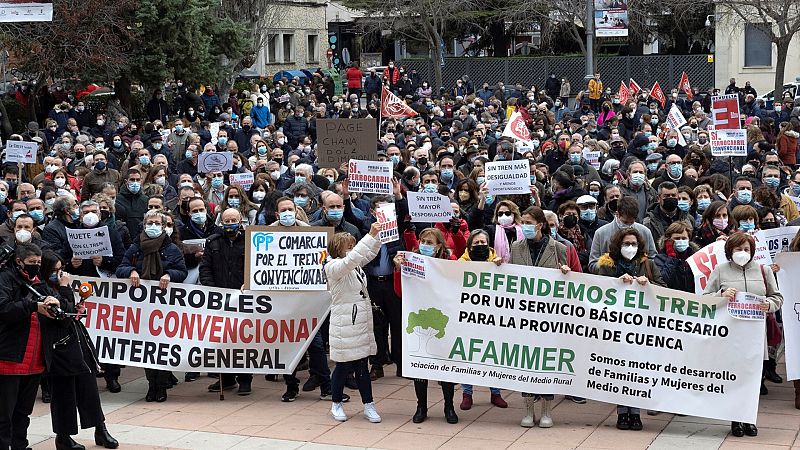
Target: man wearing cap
{"type": "Point", "coordinates": [588, 217]}
{"type": "Point", "coordinates": [653, 162]}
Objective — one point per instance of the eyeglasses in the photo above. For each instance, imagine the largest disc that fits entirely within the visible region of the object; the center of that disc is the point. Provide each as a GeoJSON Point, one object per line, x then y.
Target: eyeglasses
{"type": "Point", "coordinates": [505, 213]}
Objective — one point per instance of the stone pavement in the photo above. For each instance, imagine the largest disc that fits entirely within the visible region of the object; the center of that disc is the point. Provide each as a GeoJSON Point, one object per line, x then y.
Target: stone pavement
{"type": "Point", "coordinates": [194, 419]}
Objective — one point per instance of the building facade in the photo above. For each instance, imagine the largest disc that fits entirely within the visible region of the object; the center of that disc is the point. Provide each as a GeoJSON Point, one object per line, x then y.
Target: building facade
{"type": "Point", "coordinates": [296, 38]}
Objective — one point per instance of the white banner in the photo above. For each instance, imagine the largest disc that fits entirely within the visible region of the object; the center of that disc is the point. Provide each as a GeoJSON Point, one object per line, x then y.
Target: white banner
{"type": "Point", "coordinates": [768, 244]}
{"type": "Point", "coordinates": [208, 162]}
{"type": "Point", "coordinates": [675, 118]}
{"type": "Point", "coordinates": [731, 142]}
{"type": "Point", "coordinates": [201, 329]}
{"type": "Point", "coordinates": [86, 243]}
{"type": "Point", "coordinates": [369, 177]}
{"type": "Point", "coordinates": [508, 177]}
{"type": "Point", "coordinates": [21, 151]}
{"type": "Point", "coordinates": [244, 180]}
{"type": "Point", "coordinates": [286, 258]}
{"type": "Point", "coordinates": [425, 207]}
{"type": "Point", "coordinates": [577, 334]}
{"type": "Point", "coordinates": [387, 216]}
{"type": "Point", "coordinates": [592, 158]}
{"type": "Point", "coordinates": [789, 285]}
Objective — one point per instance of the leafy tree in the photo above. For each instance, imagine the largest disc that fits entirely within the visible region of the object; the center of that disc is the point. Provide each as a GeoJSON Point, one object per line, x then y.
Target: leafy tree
{"type": "Point", "coordinates": [426, 324]}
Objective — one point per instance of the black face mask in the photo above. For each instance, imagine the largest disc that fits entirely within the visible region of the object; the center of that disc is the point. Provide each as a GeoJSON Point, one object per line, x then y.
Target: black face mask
{"type": "Point", "coordinates": [479, 253]}
{"type": "Point", "coordinates": [422, 162]}
{"type": "Point", "coordinates": [31, 270]}
{"type": "Point", "coordinates": [570, 221]}
{"type": "Point", "coordinates": [278, 160]}
{"type": "Point", "coordinates": [669, 204]}
{"type": "Point", "coordinates": [185, 205]}
{"type": "Point", "coordinates": [612, 205]}
{"type": "Point", "coordinates": [769, 225]}
{"type": "Point", "coordinates": [105, 215]}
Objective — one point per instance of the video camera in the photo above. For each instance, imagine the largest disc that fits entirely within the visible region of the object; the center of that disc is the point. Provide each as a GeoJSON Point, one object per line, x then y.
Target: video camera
{"type": "Point", "coordinates": [55, 310]}
{"type": "Point", "coordinates": [6, 254]}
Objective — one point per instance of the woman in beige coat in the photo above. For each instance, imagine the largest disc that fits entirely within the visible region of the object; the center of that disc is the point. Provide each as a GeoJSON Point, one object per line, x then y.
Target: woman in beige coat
{"type": "Point", "coordinates": [351, 337]}
{"type": "Point", "coordinates": [741, 273]}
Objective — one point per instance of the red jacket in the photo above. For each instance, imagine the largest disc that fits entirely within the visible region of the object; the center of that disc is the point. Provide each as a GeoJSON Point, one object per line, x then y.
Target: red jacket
{"type": "Point", "coordinates": [395, 75]}
{"type": "Point", "coordinates": [354, 77]}
{"type": "Point", "coordinates": [33, 361]}
{"type": "Point", "coordinates": [787, 149]}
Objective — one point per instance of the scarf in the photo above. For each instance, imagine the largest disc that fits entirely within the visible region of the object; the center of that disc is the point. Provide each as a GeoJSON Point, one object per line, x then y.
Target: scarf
{"type": "Point", "coordinates": [573, 235]}
{"type": "Point", "coordinates": [501, 245]}
{"type": "Point", "coordinates": [151, 262]}
{"type": "Point", "coordinates": [624, 266]}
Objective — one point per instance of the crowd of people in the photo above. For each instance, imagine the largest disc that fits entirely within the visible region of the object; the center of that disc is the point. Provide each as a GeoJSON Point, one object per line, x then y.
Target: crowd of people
{"type": "Point", "coordinates": [650, 203]}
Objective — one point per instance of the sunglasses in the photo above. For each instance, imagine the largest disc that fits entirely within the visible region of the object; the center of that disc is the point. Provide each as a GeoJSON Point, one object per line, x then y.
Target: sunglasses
{"type": "Point", "coordinates": [504, 213]}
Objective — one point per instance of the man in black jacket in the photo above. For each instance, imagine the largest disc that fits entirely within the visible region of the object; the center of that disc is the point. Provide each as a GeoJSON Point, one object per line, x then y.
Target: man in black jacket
{"type": "Point", "coordinates": [223, 267]}
{"type": "Point", "coordinates": [21, 349]}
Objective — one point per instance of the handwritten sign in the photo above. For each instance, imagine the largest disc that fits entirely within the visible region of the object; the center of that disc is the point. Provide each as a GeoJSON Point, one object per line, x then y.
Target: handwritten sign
{"type": "Point", "coordinates": [86, 243]}
{"type": "Point", "coordinates": [340, 140]}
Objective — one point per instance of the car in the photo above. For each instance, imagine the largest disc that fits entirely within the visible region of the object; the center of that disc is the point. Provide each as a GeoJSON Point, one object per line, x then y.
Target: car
{"type": "Point", "coordinates": [791, 89]}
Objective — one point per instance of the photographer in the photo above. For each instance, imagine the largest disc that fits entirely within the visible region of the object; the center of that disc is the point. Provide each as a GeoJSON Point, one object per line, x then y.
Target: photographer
{"type": "Point", "coordinates": [21, 356]}
{"type": "Point", "coordinates": [71, 364]}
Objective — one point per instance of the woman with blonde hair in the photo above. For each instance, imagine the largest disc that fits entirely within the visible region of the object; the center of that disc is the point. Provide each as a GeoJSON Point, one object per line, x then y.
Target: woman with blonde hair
{"type": "Point", "coordinates": [236, 198]}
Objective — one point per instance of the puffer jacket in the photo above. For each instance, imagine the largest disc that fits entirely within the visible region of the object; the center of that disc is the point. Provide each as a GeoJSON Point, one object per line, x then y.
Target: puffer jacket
{"type": "Point", "coordinates": [351, 336]}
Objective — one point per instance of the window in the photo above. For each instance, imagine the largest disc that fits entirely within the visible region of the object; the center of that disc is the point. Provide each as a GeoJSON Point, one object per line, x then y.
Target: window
{"type": "Point", "coordinates": [312, 48]}
{"type": "Point", "coordinates": [757, 46]}
{"type": "Point", "coordinates": [288, 48]}
{"type": "Point", "coordinates": [272, 48]}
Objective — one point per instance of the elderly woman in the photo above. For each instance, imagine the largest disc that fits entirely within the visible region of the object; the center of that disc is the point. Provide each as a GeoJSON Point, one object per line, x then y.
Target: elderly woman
{"type": "Point", "coordinates": [741, 273]}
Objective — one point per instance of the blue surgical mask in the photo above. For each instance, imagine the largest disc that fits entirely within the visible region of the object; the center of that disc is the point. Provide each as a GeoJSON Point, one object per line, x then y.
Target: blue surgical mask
{"type": "Point", "coordinates": [703, 204]}
{"type": "Point", "coordinates": [652, 167]}
{"type": "Point", "coordinates": [681, 245]}
{"type": "Point", "coordinates": [234, 202]}
{"type": "Point", "coordinates": [480, 180]}
{"type": "Point", "coordinates": [676, 170]}
{"type": "Point", "coordinates": [533, 179]}
{"type": "Point", "coordinates": [153, 231]}
{"type": "Point", "coordinates": [299, 179]}
{"type": "Point", "coordinates": [75, 214]}
{"type": "Point", "coordinates": [637, 179]}
{"type": "Point", "coordinates": [574, 158]}
{"type": "Point", "coordinates": [157, 145]}
{"type": "Point", "coordinates": [262, 150]}
{"type": "Point", "coordinates": [588, 215]}
{"type": "Point", "coordinates": [489, 199]}
{"type": "Point", "coordinates": [672, 142]}
{"type": "Point", "coordinates": [447, 174]}
{"type": "Point", "coordinates": [287, 218]}
{"type": "Point", "coordinates": [134, 187]}
{"type": "Point", "coordinates": [652, 146]}
{"type": "Point", "coordinates": [430, 188]}
{"type": "Point", "coordinates": [395, 159]}
{"type": "Point", "coordinates": [772, 182]}
{"type": "Point", "coordinates": [189, 154]}
{"type": "Point", "coordinates": [744, 196]}
{"type": "Point", "coordinates": [3, 196]}
{"type": "Point", "coordinates": [335, 214]}
{"type": "Point", "coordinates": [796, 190]}
{"type": "Point", "coordinates": [746, 226]}
{"type": "Point", "coordinates": [684, 205]}
{"type": "Point", "coordinates": [426, 249]}
{"type": "Point", "coordinates": [594, 194]}
{"type": "Point", "coordinates": [222, 140]}
{"type": "Point", "coordinates": [301, 201]}
{"type": "Point", "coordinates": [16, 214]}
{"type": "Point", "coordinates": [144, 160]}
{"type": "Point", "coordinates": [37, 215]}
{"type": "Point", "coordinates": [199, 218]}
{"type": "Point", "coordinates": [179, 128]}
{"type": "Point", "coordinates": [553, 232]}
{"type": "Point", "coordinates": [647, 134]}
{"type": "Point", "coordinates": [118, 144]}
{"type": "Point", "coordinates": [529, 230]}
{"type": "Point", "coordinates": [53, 278]}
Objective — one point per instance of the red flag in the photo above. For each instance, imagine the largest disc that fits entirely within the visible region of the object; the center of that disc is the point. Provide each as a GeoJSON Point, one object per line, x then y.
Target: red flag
{"type": "Point", "coordinates": [516, 128]}
{"type": "Point", "coordinates": [394, 108]}
{"type": "Point", "coordinates": [658, 94]}
{"type": "Point", "coordinates": [685, 86]}
{"type": "Point", "coordinates": [624, 94]}
{"type": "Point", "coordinates": [634, 87]}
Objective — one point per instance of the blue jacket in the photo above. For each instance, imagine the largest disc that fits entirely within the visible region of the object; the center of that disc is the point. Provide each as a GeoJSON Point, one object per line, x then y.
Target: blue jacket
{"type": "Point", "coordinates": [171, 261]}
{"type": "Point", "coordinates": [261, 116]}
{"type": "Point", "coordinates": [296, 128]}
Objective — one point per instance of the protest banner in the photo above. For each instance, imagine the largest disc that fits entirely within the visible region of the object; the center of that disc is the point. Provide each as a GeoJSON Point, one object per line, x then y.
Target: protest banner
{"type": "Point", "coordinates": [200, 329]}
{"type": "Point", "coordinates": [88, 242]}
{"type": "Point", "coordinates": [208, 162]}
{"type": "Point", "coordinates": [769, 243]}
{"type": "Point", "coordinates": [369, 177]}
{"type": "Point", "coordinates": [21, 152]}
{"type": "Point", "coordinates": [387, 216]}
{"type": "Point", "coordinates": [675, 118]}
{"type": "Point", "coordinates": [286, 258]}
{"type": "Point", "coordinates": [747, 306]}
{"type": "Point", "coordinates": [243, 180]}
{"type": "Point", "coordinates": [789, 283]}
{"type": "Point", "coordinates": [725, 112]}
{"type": "Point", "coordinates": [424, 207]}
{"type": "Point", "coordinates": [579, 334]}
{"type": "Point", "coordinates": [340, 140]}
{"type": "Point", "coordinates": [508, 177]}
{"type": "Point", "coordinates": [592, 158]}
{"type": "Point", "coordinates": [516, 128]}
{"type": "Point", "coordinates": [728, 142]}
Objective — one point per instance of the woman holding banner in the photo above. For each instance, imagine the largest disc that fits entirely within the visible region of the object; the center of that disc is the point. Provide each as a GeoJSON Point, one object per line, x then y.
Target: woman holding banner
{"type": "Point", "coordinates": [431, 243]}
{"type": "Point", "coordinates": [352, 340]}
{"type": "Point", "coordinates": [742, 274]}
{"type": "Point", "coordinates": [627, 260]}
{"type": "Point", "coordinates": [538, 249]}
{"type": "Point", "coordinates": [154, 257]}
{"type": "Point", "coordinates": [478, 250]}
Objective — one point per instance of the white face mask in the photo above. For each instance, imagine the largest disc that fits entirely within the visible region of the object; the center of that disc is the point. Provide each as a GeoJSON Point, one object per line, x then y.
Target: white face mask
{"type": "Point", "coordinates": [23, 235]}
{"type": "Point", "coordinates": [741, 257]}
{"type": "Point", "coordinates": [629, 252]}
{"type": "Point", "coordinates": [259, 195]}
{"type": "Point", "coordinates": [505, 220]}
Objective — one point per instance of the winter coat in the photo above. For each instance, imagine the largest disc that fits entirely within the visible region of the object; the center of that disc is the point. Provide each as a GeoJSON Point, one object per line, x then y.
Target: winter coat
{"type": "Point", "coordinates": [373, 84]}
{"type": "Point", "coordinates": [135, 205]}
{"type": "Point", "coordinates": [354, 76]}
{"type": "Point", "coordinates": [351, 335]}
{"type": "Point", "coordinates": [643, 267]}
{"type": "Point", "coordinates": [223, 262]}
{"type": "Point", "coordinates": [553, 257]}
{"type": "Point", "coordinates": [296, 128]}
{"type": "Point", "coordinates": [787, 147]}
{"type": "Point", "coordinates": [172, 262]}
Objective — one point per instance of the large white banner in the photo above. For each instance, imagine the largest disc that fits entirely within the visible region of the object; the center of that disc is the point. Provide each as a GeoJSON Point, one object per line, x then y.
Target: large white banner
{"type": "Point", "coordinates": [789, 285]}
{"type": "Point", "coordinates": [199, 328]}
{"type": "Point", "coordinates": [544, 332]}
{"type": "Point", "coordinates": [768, 244]}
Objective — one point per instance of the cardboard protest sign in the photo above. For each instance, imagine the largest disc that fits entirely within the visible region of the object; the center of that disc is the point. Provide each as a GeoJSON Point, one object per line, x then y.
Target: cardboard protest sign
{"type": "Point", "coordinates": [340, 140]}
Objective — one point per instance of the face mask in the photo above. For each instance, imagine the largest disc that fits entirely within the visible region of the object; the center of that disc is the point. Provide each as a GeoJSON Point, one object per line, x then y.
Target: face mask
{"type": "Point", "coordinates": [50, 201]}
{"type": "Point", "coordinates": [179, 128]}
{"type": "Point", "coordinates": [746, 226]}
{"type": "Point", "coordinates": [222, 140]}
{"type": "Point", "coordinates": [75, 214]}
{"type": "Point", "coordinates": [144, 160]}
{"type": "Point", "coordinates": [23, 235]}
{"type": "Point", "coordinates": [430, 188]}
{"type": "Point", "coordinates": [231, 228]}
{"type": "Point", "coordinates": [275, 174]}
{"type": "Point", "coordinates": [299, 179]}
{"type": "Point", "coordinates": [66, 146]}
{"type": "Point", "coordinates": [684, 205]}
{"type": "Point", "coordinates": [629, 252]}
{"type": "Point", "coordinates": [426, 249]}
{"type": "Point", "coordinates": [489, 199]}
{"type": "Point", "coordinates": [287, 218]}
{"type": "Point", "coordinates": [637, 179]}
{"type": "Point", "coordinates": [31, 270]}
{"type": "Point", "coordinates": [652, 167]}
{"type": "Point", "coordinates": [553, 232]}
{"type": "Point", "coordinates": [134, 187]}
{"type": "Point", "coordinates": [199, 218]}
{"type": "Point", "coordinates": [575, 158]}
{"type": "Point", "coordinates": [189, 154]}
{"type": "Point", "coordinates": [676, 170]}
{"type": "Point", "coordinates": [505, 220]}
{"type": "Point", "coordinates": [480, 180]}
{"type": "Point", "coordinates": [37, 215]}
{"type": "Point", "coordinates": [479, 253]}
{"type": "Point", "coordinates": [335, 214]}
{"type": "Point", "coordinates": [669, 204]}
{"type": "Point", "coordinates": [301, 201]}
{"type": "Point", "coordinates": [100, 166]}
{"type": "Point", "coordinates": [681, 245]}
{"type": "Point", "coordinates": [262, 150]}
{"type": "Point", "coordinates": [217, 182]}
{"type": "Point", "coordinates": [672, 142]}
{"type": "Point", "coordinates": [447, 174]}
{"type": "Point", "coordinates": [772, 182]}
{"type": "Point", "coordinates": [589, 215]}
{"type": "Point", "coordinates": [117, 144]}
{"type": "Point", "coordinates": [161, 181]}
{"type": "Point", "coordinates": [720, 224]}
{"type": "Point", "coordinates": [744, 196]}
{"type": "Point", "coordinates": [703, 204]}
{"type": "Point", "coordinates": [234, 202]}
{"type": "Point", "coordinates": [157, 145]}
{"type": "Point", "coordinates": [741, 257]}
{"type": "Point", "coordinates": [652, 146]}
{"type": "Point", "coordinates": [281, 141]}
{"type": "Point", "coordinates": [422, 162]}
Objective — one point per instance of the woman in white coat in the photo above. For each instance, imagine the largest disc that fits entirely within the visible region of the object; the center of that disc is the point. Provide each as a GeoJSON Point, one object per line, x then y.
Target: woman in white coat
{"type": "Point", "coordinates": [351, 337]}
